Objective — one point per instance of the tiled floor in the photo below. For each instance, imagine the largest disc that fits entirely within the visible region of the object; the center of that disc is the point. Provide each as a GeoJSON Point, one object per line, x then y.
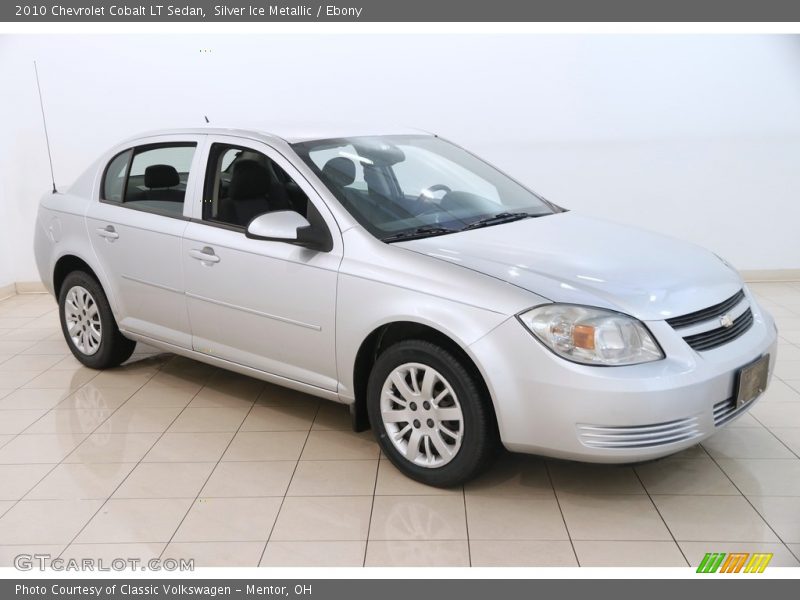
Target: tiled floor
{"type": "Point", "coordinates": [169, 457]}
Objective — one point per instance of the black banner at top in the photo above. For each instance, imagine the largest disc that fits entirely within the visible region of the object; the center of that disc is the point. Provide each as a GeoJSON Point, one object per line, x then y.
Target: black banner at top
{"type": "Point", "coordinates": [143, 11]}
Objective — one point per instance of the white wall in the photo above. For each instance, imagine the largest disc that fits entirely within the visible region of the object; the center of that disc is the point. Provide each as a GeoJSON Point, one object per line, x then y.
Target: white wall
{"type": "Point", "coordinates": [696, 136]}
{"type": "Point", "coordinates": [7, 267]}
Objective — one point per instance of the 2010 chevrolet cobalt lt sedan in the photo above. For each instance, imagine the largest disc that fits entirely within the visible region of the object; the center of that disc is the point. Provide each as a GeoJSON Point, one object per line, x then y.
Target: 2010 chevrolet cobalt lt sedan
{"type": "Point", "coordinates": [450, 307]}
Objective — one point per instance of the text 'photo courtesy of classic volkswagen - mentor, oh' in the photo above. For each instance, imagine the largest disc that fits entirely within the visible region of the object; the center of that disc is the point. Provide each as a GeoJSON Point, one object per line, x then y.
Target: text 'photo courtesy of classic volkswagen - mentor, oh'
{"type": "Point", "coordinates": [450, 307]}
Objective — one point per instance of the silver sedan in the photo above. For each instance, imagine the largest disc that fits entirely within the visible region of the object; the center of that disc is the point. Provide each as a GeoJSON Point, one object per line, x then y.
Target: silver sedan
{"type": "Point", "coordinates": [450, 307]}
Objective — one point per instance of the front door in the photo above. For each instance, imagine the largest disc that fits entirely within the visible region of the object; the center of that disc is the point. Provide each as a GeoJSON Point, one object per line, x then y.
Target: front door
{"type": "Point", "coordinates": [266, 305]}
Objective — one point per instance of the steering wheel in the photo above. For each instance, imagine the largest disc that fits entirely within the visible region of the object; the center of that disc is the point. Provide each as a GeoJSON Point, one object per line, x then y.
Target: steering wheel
{"type": "Point", "coordinates": [425, 201]}
{"type": "Point", "coordinates": [426, 194]}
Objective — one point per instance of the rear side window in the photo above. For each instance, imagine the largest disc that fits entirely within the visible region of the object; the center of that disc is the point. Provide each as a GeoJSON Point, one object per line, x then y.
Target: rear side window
{"type": "Point", "coordinates": [151, 178]}
{"type": "Point", "coordinates": [114, 180]}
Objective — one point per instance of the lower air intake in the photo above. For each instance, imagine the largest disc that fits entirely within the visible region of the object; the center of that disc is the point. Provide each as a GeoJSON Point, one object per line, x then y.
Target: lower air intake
{"type": "Point", "coordinates": [726, 411]}
{"type": "Point", "coordinates": [639, 436]}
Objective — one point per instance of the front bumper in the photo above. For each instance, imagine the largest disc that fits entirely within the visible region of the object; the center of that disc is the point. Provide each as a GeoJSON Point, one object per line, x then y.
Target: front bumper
{"type": "Point", "coordinates": [550, 406]}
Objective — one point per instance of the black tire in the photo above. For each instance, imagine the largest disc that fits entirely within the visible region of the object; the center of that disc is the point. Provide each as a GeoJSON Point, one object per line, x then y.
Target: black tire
{"type": "Point", "coordinates": [479, 436]}
{"type": "Point", "coordinates": [114, 348]}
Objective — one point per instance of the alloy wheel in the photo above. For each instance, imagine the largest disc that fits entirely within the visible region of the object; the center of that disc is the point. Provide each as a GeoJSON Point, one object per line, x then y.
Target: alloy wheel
{"type": "Point", "coordinates": [421, 415]}
{"type": "Point", "coordinates": [82, 318]}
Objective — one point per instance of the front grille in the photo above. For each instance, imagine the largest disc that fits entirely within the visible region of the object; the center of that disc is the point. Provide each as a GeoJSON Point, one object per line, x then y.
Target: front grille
{"type": "Point", "coordinates": [639, 436]}
{"type": "Point", "coordinates": [707, 313]}
{"type": "Point", "coordinates": [714, 338]}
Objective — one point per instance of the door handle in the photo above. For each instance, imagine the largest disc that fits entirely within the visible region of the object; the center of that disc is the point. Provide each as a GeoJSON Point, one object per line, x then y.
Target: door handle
{"type": "Point", "coordinates": [108, 232]}
{"type": "Point", "coordinates": [205, 255]}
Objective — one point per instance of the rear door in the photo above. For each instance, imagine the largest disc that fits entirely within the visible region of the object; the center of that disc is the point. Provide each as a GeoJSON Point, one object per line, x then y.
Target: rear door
{"type": "Point", "coordinates": [136, 229]}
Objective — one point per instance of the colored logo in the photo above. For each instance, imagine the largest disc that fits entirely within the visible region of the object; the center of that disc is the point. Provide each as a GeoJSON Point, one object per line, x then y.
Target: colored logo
{"type": "Point", "coordinates": [734, 562]}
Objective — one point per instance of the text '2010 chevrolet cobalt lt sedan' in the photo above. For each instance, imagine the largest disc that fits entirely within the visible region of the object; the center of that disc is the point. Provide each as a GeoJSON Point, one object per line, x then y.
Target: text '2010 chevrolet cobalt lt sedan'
{"type": "Point", "coordinates": [448, 305]}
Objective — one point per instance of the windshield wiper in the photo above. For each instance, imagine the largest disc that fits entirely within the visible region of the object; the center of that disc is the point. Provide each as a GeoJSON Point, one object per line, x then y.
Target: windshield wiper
{"type": "Point", "coordinates": [503, 217]}
{"type": "Point", "coordinates": [419, 232]}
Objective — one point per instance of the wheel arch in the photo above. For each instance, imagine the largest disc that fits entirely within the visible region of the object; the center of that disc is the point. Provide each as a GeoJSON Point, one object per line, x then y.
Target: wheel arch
{"type": "Point", "coordinates": [387, 334]}
{"type": "Point", "coordinates": [65, 265]}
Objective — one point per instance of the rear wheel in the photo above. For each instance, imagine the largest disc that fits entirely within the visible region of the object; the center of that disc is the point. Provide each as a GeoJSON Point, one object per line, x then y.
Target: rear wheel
{"type": "Point", "coordinates": [430, 416]}
{"type": "Point", "coordinates": [88, 323]}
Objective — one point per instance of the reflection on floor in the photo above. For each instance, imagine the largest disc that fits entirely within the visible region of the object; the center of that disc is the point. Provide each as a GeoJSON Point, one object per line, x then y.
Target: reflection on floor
{"type": "Point", "coordinates": [169, 457]}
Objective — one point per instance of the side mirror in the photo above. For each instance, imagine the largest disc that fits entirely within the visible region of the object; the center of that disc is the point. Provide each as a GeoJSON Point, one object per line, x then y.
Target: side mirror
{"type": "Point", "coordinates": [290, 227]}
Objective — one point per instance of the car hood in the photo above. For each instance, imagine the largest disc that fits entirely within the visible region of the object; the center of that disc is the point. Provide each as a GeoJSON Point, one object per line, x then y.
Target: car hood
{"type": "Point", "coordinates": [567, 257]}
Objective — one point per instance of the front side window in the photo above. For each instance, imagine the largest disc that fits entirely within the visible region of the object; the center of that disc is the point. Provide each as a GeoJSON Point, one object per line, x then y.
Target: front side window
{"type": "Point", "coordinates": [412, 184]}
{"type": "Point", "coordinates": [151, 178]}
{"type": "Point", "coordinates": [242, 184]}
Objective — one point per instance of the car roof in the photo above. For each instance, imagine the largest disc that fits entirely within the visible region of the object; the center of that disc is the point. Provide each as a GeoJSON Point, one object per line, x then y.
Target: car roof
{"type": "Point", "coordinates": [290, 133]}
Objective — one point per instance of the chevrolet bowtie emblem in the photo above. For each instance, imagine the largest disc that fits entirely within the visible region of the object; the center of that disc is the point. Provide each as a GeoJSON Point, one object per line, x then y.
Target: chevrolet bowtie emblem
{"type": "Point", "coordinates": [726, 321]}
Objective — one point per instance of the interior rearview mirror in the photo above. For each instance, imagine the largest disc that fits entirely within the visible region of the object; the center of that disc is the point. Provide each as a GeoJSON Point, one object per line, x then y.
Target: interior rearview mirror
{"type": "Point", "coordinates": [290, 227]}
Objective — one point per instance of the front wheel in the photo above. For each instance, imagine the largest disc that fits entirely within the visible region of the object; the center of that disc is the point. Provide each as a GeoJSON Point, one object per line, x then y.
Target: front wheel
{"type": "Point", "coordinates": [430, 415]}
{"type": "Point", "coordinates": [88, 323]}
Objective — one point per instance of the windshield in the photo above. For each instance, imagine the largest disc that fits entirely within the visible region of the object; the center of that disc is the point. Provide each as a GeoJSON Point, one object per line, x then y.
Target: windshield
{"type": "Point", "coordinates": [405, 186]}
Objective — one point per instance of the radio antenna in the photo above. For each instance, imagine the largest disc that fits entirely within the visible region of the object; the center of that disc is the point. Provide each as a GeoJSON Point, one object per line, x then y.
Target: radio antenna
{"type": "Point", "coordinates": [44, 122]}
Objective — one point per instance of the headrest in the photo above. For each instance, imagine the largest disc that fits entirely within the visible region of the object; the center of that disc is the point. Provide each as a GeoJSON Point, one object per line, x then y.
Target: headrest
{"type": "Point", "coordinates": [249, 180]}
{"type": "Point", "coordinates": [161, 176]}
{"type": "Point", "coordinates": [340, 170]}
{"type": "Point", "coordinates": [378, 152]}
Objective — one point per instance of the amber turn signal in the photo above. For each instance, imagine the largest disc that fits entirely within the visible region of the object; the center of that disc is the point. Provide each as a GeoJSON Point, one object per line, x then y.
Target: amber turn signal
{"type": "Point", "coordinates": [583, 337]}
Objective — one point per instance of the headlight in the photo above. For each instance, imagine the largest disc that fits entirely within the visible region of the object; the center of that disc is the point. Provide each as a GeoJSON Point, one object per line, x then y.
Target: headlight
{"type": "Point", "coordinates": [592, 336]}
